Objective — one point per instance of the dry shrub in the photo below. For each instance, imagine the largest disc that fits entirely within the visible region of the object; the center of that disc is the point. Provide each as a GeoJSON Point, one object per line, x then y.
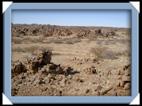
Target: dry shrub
{"type": "Point", "coordinates": [64, 40]}
{"type": "Point", "coordinates": [30, 39]}
{"type": "Point", "coordinates": [71, 40]}
{"type": "Point", "coordinates": [25, 49]}
{"type": "Point", "coordinates": [103, 53]}
{"type": "Point", "coordinates": [17, 40]}
{"type": "Point", "coordinates": [124, 53]}
{"type": "Point", "coordinates": [91, 70]}
{"type": "Point", "coordinates": [109, 54]}
{"type": "Point", "coordinates": [35, 39]}
{"type": "Point", "coordinates": [30, 49]}
{"type": "Point", "coordinates": [58, 41]}
{"type": "Point", "coordinates": [97, 52]}
{"type": "Point", "coordinates": [17, 49]}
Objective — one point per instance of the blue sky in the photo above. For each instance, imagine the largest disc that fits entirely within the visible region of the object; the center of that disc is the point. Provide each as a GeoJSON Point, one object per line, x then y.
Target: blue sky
{"type": "Point", "coordinates": [73, 18]}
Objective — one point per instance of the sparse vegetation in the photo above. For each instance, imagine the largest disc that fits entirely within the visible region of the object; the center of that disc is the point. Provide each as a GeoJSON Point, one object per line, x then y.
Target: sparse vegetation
{"type": "Point", "coordinates": [17, 40]}
{"type": "Point", "coordinates": [29, 49]}
{"type": "Point", "coordinates": [70, 61]}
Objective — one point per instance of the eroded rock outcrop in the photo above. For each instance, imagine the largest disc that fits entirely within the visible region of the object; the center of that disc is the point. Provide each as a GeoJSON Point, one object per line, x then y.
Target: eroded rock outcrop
{"type": "Point", "coordinates": [18, 67]}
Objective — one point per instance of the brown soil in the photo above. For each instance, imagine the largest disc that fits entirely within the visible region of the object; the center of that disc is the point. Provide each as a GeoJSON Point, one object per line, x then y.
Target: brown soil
{"type": "Point", "coordinates": [70, 61]}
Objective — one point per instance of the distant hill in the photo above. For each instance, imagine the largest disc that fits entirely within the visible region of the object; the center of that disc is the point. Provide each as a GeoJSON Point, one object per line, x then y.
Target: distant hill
{"type": "Point", "coordinates": [56, 30]}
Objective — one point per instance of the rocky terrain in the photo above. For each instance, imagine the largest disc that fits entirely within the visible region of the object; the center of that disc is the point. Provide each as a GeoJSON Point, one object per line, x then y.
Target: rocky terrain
{"type": "Point", "coordinates": [51, 60]}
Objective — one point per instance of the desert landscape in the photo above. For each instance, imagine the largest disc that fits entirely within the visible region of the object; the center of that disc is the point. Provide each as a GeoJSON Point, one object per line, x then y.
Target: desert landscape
{"type": "Point", "coordinates": [53, 60]}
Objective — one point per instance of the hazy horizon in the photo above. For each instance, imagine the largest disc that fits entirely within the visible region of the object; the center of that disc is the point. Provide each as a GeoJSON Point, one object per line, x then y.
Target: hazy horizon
{"type": "Point", "coordinates": [69, 25]}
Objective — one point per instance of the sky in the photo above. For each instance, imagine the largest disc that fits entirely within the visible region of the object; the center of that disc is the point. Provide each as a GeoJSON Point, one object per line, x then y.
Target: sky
{"type": "Point", "coordinates": [107, 18]}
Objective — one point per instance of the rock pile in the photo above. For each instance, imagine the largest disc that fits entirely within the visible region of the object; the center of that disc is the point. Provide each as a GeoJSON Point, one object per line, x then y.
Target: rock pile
{"type": "Point", "coordinates": [36, 30]}
{"type": "Point", "coordinates": [42, 62]}
{"type": "Point", "coordinates": [42, 58]}
{"type": "Point", "coordinates": [105, 33]}
{"type": "Point", "coordinates": [83, 33]}
{"type": "Point", "coordinates": [18, 68]}
{"type": "Point", "coordinates": [59, 31]}
{"type": "Point", "coordinates": [91, 70]}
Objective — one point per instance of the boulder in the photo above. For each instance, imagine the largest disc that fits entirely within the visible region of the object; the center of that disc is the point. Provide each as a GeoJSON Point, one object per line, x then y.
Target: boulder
{"type": "Point", "coordinates": [18, 68]}
{"type": "Point", "coordinates": [42, 58]}
{"type": "Point", "coordinates": [91, 70]}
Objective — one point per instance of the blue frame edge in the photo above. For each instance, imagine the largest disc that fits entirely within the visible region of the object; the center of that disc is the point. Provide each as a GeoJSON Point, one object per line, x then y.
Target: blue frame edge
{"type": "Point", "coordinates": [71, 99]}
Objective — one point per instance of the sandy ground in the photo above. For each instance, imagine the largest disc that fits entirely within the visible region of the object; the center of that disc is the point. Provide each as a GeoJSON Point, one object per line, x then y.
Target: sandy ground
{"type": "Point", "coordinates": [102, 66]}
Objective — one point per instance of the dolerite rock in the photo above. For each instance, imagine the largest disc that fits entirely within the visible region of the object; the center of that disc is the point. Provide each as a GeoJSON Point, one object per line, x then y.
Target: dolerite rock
{"type": "Point", "coordinates": [83, 33]}
{"type": "Point", "coordinates": [105, 33]}
{"type": "Point", "coordinates": [56, 69]}
{"type": "Point", "coordinates": [35, 65]}
{"type": "Point", "coordinates": [42, 58]}
{"type": "Point", "coordinates": [68, 71]}
{"type": "Point", "coordinates": [18, 68]}
{"type": "Point", "coordinates": [127, 67]}
{"type": "Point", "coordinates": [112, 33]}
{"type": "Point", "coordinates": [59, 70]}
{"type": "Point", "coordinates": [91, 70]}
{"type": "Point", "coordinates": [63, 32]}
{"type": "Point", "coordinates": [98, 32]}
{"type": "Point", "coordinates": [52, 66]}
{"type": "Point", "coordinates": [46, 57]}
{"type": "Point", "coordinates": [49, 31]}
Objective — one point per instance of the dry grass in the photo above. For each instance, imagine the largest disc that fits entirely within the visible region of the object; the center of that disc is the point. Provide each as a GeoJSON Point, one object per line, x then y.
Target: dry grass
{"type": "Point", "coordinates": [30, 49]}
{"type": "Point", "coordinates": [97, 52]}
{"type": "Point", "coordinates": [25, 49]}
{"type": "Point", "coordinates": [71, 41]}
{"type": "Point", "coordinates": [103, 53]}
{"type": "Point", "coordinates": [27, 39]}
{"type": "Point", "coordinates": [17, 40]}
{"type": "Point", "coordinates": [99, 62]}
{"type": "Point", "coordinates": [63, 40]}
{"type": "Point", "coordinates": [124, 53]}
{"type": "Point", "coordinates": [42, 39]}
{"type": "Point", "coordinates": [33, 39]}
